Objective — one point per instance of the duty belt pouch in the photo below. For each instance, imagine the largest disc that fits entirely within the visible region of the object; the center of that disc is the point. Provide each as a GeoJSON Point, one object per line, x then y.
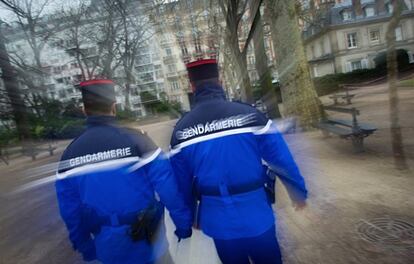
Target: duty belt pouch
{"type": "Point", "coordinates": [147, 222]}
{"type": "Point", "coordinates": [270, 181]}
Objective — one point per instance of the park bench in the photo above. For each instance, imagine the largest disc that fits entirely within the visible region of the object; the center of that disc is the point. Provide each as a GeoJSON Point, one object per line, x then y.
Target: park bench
{"type": "Point", "coordinates": [348, 129]}
{"type": "Point", "coordinates": [33, 150]}
{"type": "Point", "coordinates": [347, 97]}
{"type": "Point", "coordinates": [28, 149]}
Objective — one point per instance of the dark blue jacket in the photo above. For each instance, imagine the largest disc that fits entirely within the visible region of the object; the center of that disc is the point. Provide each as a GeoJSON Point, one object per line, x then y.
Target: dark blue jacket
{"type": "Point", "coordinates": [222, 145]}
{"type": "Point", "coordinates": [115, 171]}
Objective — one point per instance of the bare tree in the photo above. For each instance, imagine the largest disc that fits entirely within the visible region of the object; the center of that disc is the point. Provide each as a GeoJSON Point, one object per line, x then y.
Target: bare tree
{"type": "Point", "coordinates": [92, 37]}
{"type": "Point", "coordinates": [36, 30]}
{"type": "Point", "coordinates": [75, 39]}
{"type": "Point", "coordinates": [134, 34]}
{"type": "Point", "coordinates": [12, 91]}
{"type": "Point", "coordinates": [392, 67]}
{"type": "Point", "coordinates": [233, 13]}
{"type": "Point", "coordinates": [298, 92]}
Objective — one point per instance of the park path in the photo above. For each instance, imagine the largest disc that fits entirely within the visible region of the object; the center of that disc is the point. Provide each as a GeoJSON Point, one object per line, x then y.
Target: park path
{"type": "Point", "coordinates": [360, 208]}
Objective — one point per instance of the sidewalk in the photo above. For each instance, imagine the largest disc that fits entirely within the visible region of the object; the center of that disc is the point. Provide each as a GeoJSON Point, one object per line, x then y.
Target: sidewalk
{"type": "Point", "coordinates": [360, 210]}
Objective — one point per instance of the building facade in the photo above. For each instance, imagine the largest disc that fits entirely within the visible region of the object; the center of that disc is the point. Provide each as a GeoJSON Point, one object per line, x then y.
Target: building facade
{"type": "Point", "coordinates": [350, 37]}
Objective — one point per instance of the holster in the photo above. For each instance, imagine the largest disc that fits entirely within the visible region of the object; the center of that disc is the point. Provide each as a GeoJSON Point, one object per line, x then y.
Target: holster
{"type": "Point", "coordinates": [147, 222]}
{"type": "Point", "coordinates": [270, 182]}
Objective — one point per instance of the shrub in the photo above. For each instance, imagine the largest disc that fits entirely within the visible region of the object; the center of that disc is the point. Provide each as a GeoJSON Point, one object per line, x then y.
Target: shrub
{"type": "Point", "coordinates": [331, 82]}
{"type": "Point", "coordinates": [125, 115]}
{"type": "Point", "coordinates": [72, 128]}
{"type": "Point", "coordinates": [8, 136]}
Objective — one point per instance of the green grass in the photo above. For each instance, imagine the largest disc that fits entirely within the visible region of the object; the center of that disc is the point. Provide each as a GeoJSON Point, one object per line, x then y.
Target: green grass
{"type": "Point", "coordinates": [407, 83]}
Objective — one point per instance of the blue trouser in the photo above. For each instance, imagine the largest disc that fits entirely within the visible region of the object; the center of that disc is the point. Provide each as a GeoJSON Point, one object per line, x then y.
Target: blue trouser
{"type": "Point", "coordinates": [263, 249]}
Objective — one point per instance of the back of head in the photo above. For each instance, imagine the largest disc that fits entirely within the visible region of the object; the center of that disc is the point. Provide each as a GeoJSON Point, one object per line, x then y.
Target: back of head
{"type": "Point", "coordinates": [98, 97]}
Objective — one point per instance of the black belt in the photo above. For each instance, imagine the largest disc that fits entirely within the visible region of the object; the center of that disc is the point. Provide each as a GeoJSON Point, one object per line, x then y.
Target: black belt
{"type": "Point", "coordinates": [118, 219]}
{"type": "Point", "coordinates": [233, 190]}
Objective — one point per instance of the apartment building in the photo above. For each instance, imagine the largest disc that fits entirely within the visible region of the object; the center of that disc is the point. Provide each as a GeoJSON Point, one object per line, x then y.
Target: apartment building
{"type": "Point", "coordinates": [158, 68]}
{"type": "Point", "coordinates": [349, 37]}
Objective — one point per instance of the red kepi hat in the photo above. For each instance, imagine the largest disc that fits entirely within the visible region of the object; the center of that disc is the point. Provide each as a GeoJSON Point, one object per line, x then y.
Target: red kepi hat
{"type": "Point", "coordinates": [202, 70]}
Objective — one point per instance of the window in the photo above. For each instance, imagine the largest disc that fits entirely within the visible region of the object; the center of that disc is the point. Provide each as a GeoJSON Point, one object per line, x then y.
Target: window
{"type": "Point", "coordinates": [175, 86]}
{"type": "Point", "coordinates": [251, 60]}
{"type": "Point", "coordinates": [155, 56]}
{"type": "Point", "coordinates": [168, 51]}
{"type": "Point", "coordinates": [147, 77]}
{"type": "Point", "coordinates": [374, 36]}
{"type": "Point", "coordinates": [398, 34]}
{"type": "Point", "coordinates": [184, 50]}
{"type": "Point", "coordinates": [77, 78]}
{"type": "Point", "coordinates": [346, 15]}
{"type": "Point", "coordinates": [315, 71]}
{"type": "Point", "coordinates": [352, 40]}
{"type": "Point", "coordinates": [389, 7]}
{"type": "Point", "coordinates": [410, 56]}
{"type": "Point", "coordinates": [144, 59]}
{"type": "Point", "coordinates": [158, 72]}
{"type": "Point", "coordinates": [171, 68]}
{"type": "Point", "coordinates": [369, 11]}
{"type": "Point", "coordinates": [197, 45]}
{"type": "Point", "coordinates": [356, 65]}
{"type": "Point", "coordinates": [321, 44]}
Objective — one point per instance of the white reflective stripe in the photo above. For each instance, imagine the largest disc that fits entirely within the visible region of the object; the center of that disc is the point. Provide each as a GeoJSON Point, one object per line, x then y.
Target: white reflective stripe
{"type": "Point", "coordinates": [103, 165]}
{"type": "Point", "coordinates": [33, 184]}
{"type": "Point", "coordinates": [145, 161]}
{"type": "Point", "coordinates": [230, 132]}
{"type": "Point", "coordinates": [173, 151]}
{"type": "Point", "coordinates": [265, 129]}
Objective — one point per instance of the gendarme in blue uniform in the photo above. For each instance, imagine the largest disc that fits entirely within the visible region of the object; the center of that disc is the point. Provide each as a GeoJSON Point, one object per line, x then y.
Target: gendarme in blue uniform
{"type": "Point", "coordinates": [217, 149]}
{"type": "Point", "coordinates": [115, 172]}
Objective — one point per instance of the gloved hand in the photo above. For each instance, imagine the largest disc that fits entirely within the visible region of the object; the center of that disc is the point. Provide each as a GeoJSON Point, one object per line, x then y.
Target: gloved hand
{"type": "Point", "coordinates": [183, 233]}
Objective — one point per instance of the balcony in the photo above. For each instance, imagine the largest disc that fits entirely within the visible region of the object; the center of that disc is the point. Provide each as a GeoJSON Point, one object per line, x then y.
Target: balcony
{"type": "Point", "coordinates": [165, 43]}
{"type": "Point", "coordinates": [169, 59]}
{"type": "Point", "coordinates": [186, 58]}
{"type": "Point", "coordinates": [198, 55]}
{"type": "Point", "coordinates": [172, 74]}
{"type": "Point", "coordinates": [212, 53]}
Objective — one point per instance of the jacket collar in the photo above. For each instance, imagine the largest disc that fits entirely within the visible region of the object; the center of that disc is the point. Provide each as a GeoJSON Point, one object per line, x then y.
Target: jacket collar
{"type": "Point", "coordinates": [95, 120]}
{"type": "Point", "coordinates": [209, 91]}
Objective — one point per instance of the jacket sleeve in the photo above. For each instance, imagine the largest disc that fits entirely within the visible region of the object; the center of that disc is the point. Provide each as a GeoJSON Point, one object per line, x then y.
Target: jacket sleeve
{"type": "Point", "coordinates": [163, 179]}
{"type": "Point", "coordinates": [275, 152]}
{"type": "Point", "coordinates": [184, 174]}
{"type": "Point", "coordinates": [71, 212]}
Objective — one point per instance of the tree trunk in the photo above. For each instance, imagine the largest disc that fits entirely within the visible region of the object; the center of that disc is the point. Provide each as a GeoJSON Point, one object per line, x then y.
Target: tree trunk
{"type": "Point", "coordinates": [267, 91]}
{"type": "Point", "coordinates": [298, 92]}
{"type": "Point", "coordinates": [12, 90]}
{"type": "Point", "coordinates": [392, 67]}
{"type": "Point", "coordinates": [128, 89]}
{"type": "Point", "coordinates": [241, 68]}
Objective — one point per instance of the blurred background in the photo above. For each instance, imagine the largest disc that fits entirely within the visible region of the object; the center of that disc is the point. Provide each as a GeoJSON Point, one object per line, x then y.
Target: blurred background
{"type": "Point", "coordinates": [337, 75]}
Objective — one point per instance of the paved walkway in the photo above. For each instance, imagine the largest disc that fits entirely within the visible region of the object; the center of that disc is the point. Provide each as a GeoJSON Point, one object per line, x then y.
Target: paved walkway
{"type": "Point", "coordinates": [361, 210]}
